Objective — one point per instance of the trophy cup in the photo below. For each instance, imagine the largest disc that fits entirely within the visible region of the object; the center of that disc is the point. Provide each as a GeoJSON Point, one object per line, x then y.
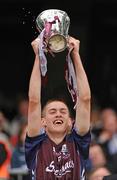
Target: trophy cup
{"type": "Point", "coordinates": [55, 24]}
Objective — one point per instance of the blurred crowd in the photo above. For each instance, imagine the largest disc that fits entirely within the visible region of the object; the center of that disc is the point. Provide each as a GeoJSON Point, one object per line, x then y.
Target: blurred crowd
{"type": "Point", "coordinates": [102, 153]}
{"type": "Point", "coordinates": [103, 149]}
{"type": "Point", "coordinates": [12, 137]}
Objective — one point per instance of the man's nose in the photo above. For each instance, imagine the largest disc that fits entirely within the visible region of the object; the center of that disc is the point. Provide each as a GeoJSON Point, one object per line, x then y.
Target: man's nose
{"type": "Point", "coordinates": [58, 113]}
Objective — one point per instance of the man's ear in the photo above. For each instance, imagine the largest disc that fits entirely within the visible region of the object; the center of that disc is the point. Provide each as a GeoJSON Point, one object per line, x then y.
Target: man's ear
{"type": "Point", "coordinates": [43, 121]}
{"type": "Point", "coordinates": [70, 123]}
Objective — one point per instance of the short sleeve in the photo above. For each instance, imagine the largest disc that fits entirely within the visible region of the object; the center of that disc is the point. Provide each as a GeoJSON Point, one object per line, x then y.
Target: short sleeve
{"type": "Point", "coordinates": [82, 143]}
{"type": "Point", "coordinates": [32, 145]}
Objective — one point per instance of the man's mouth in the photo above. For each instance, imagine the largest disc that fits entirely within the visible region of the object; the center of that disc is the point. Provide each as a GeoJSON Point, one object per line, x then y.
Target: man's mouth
{"type": "Point", "coordinates": [58, 121]}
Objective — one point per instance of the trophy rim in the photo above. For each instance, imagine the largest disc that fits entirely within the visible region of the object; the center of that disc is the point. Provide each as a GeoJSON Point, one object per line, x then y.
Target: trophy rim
{"type": "Point", "coordinates": [64, 12]}
{"type": "Point", "coordinates": [39, 26]}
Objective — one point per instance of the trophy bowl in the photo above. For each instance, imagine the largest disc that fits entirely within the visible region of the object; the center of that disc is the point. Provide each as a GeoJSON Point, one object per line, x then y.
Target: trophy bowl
{"type": "Point", "coordinates": [56, 23]}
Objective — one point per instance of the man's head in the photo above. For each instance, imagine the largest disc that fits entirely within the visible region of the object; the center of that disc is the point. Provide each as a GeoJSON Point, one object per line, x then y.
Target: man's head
{"type": "Point", "coordinates": [56, 117]}
{"type": "Point", "coordinates": [109, 120]}
{"type": "Point", "coordinates": [97, 156]}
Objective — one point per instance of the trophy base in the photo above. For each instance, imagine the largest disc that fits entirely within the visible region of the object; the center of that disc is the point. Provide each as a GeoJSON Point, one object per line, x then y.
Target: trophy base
{"type": "Point", "coordinates": [57, 43]}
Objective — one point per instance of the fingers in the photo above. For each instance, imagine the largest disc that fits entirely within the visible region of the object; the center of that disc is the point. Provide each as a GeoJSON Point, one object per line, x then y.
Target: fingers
{"type": "Point", "coordinates": [35, 45]}
{"type": "Point", "coordinates": [73, 44]}
{"type": "Point", "coordinates": [35, 42]}
{"type": "Point", "coordinates": [72, 39]}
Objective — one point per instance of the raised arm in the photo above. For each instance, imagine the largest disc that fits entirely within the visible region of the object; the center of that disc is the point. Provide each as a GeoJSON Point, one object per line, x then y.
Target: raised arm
{"type": "Point", "coordinates": [82, 122]}
{"type": "Point", "coordinates": [34, 110]}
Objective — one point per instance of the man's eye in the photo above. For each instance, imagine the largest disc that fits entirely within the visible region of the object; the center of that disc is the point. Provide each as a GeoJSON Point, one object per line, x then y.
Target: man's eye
{"type": "Point", "coordinates": [52, 112]}
{"type": "Point", "coordinates": [63, 112]}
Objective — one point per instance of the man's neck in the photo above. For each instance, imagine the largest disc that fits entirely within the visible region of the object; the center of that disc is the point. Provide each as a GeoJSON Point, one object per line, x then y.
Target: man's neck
{"type": "Point", "coordinates": [56, 138]}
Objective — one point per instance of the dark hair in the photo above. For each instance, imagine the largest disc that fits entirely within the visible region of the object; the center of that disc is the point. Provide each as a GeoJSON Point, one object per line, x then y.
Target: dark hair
{"type": "Point", "coordinates": [61, 99]}
{"type": "Point", "coordinates": [58, 93]}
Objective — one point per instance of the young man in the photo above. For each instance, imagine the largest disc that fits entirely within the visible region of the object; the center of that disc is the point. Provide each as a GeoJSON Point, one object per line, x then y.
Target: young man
{"type": "Point", "coordinates": [60, 152]}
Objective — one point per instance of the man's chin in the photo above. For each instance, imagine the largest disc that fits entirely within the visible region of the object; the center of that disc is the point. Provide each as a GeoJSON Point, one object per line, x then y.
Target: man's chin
{"type": "Point", "coordinates": [58, 129]}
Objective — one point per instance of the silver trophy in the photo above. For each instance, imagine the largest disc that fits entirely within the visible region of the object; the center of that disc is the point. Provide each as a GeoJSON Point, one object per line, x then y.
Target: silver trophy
{"type": "Point", "coordinates": [55, 24]}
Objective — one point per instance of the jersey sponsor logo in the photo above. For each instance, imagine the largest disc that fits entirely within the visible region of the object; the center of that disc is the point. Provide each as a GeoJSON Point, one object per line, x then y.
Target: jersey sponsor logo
{"type": "Point", "coordinates": [64, 152]}
{"type": "Point", "coordinates": [67, 167]}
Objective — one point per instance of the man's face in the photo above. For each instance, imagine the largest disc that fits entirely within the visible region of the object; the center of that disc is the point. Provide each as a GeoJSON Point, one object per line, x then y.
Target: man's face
{"type": "Point", "coordinates": [56, 117]}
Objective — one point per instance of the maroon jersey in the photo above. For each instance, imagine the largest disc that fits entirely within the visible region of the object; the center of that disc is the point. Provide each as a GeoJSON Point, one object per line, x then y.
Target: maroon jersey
{"type": "Point", "coordinates": [53, 162]}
